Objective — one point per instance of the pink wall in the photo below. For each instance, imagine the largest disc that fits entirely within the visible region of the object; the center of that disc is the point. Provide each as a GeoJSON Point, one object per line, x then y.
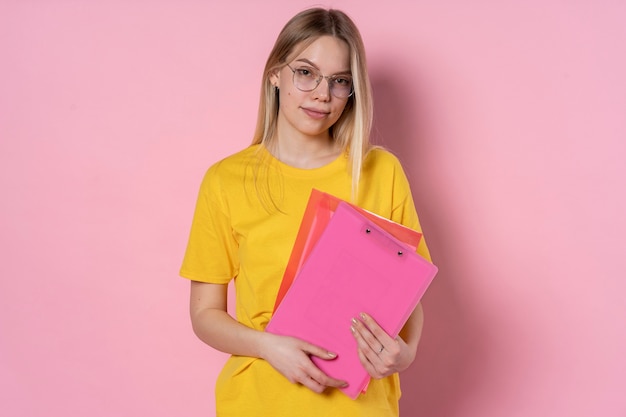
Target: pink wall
{"type": "Point", "coordinates": [509, 117]}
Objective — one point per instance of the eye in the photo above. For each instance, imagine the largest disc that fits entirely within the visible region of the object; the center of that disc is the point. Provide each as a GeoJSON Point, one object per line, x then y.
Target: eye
{"type": "Point", "coordinates": [343, 81]}
{"type": "Point", "coordinates": [305, 72]}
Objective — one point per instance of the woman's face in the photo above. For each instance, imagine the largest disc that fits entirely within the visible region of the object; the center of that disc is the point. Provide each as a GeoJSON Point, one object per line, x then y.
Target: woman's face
{"type": "Point", "coordinates": [311, 113]}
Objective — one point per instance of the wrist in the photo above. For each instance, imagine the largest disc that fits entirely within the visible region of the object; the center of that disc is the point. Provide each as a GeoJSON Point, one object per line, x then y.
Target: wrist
{"type": "Point", "coordinates": [262, 344]}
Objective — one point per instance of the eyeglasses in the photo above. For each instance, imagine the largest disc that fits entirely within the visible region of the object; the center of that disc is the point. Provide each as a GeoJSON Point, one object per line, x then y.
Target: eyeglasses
{"type": "Point", "coordinates": [308, 78]}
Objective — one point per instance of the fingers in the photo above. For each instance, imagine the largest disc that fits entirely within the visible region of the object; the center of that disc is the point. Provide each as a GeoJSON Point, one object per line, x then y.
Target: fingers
{"type": "Point", "coordinates": [369, 347]}
{"type": "Point", "coordinates": [372, 339]}
{"type": "Point", "coordinates": [373, 333]}
{"type": "Point", "coordinates": [292, 358]}
{"type": "Point", "coordinates": [318, 351]}
{"type": "Point", "coordinates": [377, 351]}
{"type": "Point", "coordinates": [321, 381]}
{"type": "Point", "coordinates": [311, 383]}
{"type": "Point", "coordinates": [316, 374]}
{"type": "Point", "coordinates": [369, 367]}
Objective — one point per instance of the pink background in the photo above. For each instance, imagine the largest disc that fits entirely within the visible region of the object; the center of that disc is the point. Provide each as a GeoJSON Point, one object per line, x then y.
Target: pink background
{"type": "Point", "coordinates": [510, 120]}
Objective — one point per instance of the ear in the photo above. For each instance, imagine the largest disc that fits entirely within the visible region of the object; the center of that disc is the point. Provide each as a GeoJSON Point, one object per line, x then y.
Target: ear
{"type": "Point", "coordinates": [275, 77]}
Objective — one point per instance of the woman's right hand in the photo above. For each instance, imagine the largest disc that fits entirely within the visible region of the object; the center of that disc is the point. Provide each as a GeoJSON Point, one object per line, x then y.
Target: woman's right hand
{"type": "Point", "coordinates": [288, 355]}
{"type": "Point", "coordinates": [291, 357]}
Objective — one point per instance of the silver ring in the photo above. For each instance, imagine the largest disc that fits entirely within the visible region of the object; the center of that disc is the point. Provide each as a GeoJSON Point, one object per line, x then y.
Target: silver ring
{"type": "Point", "coordinates": [381, 349]}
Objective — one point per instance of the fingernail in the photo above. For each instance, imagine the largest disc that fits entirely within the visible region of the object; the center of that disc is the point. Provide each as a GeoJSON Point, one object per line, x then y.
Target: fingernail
{"type": "Point", "coordinates": [344, 385]}
{"type": "Point", "coordinates": [352, 329]}
{"type": "Point", "coordinates": [331, 355]}
{"type": "Point", "coordinates": [354, 321]}
{"type": "Point", "coordinates": [363, 316]}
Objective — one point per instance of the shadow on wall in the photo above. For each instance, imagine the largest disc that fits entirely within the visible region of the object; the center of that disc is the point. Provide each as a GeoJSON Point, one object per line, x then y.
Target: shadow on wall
{"type": "Point", "coordinates": [452, 350]}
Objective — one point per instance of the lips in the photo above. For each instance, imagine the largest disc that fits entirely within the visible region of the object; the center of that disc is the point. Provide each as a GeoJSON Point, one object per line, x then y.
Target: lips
{"type": "Point", "coordinates": [315, 113]}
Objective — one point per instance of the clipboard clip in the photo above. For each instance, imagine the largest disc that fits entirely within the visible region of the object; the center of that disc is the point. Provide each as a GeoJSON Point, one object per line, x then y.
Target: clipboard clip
{"type": "Point", "coordinates": [369, 232]}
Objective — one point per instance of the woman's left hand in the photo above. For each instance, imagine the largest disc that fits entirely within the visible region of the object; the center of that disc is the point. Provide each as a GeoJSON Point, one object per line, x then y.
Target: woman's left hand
{"type": "Point", "coordinates": [380, 354]}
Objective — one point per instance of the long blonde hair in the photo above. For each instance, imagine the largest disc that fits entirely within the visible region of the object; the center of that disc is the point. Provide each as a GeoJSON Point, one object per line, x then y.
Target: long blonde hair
{"type": "Point", "coordinates": [352, 131]}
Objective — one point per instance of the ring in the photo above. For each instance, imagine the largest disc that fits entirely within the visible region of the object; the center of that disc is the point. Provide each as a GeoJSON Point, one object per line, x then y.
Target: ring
{"type": "Point", "coordinates": [381, 349]}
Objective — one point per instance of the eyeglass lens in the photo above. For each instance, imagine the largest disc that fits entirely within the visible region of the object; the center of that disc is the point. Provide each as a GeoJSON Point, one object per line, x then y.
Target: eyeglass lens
{"type": "Point", "coordinates": [307, 79]}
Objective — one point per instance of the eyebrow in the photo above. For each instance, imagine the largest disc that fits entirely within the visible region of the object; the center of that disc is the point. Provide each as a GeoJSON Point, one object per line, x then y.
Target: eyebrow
{"type": "Point", "coordinates": [306, 61]}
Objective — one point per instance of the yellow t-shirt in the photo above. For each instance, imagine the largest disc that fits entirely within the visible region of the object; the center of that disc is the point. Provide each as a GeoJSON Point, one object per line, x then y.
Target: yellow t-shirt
{"type": "Point", "coordinates": [246, 220]}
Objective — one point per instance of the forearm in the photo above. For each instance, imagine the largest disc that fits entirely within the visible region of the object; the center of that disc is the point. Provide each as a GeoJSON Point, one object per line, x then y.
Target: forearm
{"type": "Point", "coordinates": [215, 327]}
{"type": "Point", "coordinates": [412, 330]}
{"type": "Point", "coordinates": [289, 356]}
{"type": "Point", "coordinates": [219, 330]}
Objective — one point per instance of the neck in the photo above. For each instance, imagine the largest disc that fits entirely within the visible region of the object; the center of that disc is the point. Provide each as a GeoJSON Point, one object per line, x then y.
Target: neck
{"type": "Point", "coordinates": [307, 152]}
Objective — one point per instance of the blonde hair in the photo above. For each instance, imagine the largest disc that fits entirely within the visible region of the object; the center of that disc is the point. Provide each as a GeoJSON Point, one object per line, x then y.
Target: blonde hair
{"type": "Point", "coordinates": [352, 131]}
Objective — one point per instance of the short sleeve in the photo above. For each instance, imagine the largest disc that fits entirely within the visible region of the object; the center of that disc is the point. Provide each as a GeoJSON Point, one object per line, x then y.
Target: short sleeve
{"type": "Point", "coordinates": [211, 254]}
{"type": "Point", "coordinates": [404, 208]}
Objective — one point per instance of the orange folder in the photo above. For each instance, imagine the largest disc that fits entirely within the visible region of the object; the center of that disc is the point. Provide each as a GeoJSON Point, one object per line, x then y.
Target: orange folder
{"type": "Point", "coordinates": [317, 215]}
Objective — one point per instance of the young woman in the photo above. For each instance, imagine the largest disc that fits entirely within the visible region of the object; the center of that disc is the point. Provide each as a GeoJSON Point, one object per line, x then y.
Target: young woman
{"type": "Point", "coordinates": [312, 132]}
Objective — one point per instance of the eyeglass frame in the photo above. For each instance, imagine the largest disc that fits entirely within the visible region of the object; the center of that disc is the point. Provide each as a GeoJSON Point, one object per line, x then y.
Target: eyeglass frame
{"type": "Point", "coordinates": [319, 81]}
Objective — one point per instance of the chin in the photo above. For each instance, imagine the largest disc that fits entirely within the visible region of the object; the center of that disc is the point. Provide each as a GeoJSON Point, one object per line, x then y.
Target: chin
{"type": "Point", "coordinates": [316, 129]}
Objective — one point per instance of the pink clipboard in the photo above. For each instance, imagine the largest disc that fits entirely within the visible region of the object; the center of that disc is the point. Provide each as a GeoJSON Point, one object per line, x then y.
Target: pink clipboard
{"type": "Point", "coordinates": [355, 267]}
{"type": "Point", "coordinates": [319, 210]}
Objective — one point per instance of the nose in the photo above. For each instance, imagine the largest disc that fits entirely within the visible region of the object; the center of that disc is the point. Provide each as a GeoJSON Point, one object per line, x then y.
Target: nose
{"type": "Point", "coordinates": [323, 89]}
